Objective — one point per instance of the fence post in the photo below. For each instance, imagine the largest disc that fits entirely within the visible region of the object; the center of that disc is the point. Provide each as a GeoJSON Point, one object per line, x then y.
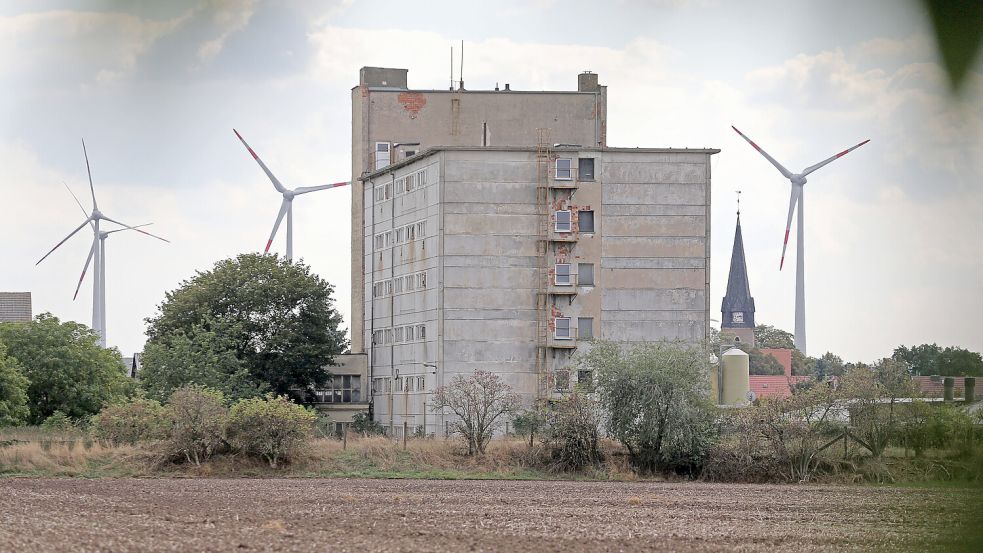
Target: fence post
{"type": "Point", "coordinates": [344, 436]}
{"type": "Point", "coordinates": [405, 432]}
{"type": "Point", "coordinates": [447, 429]}
{"type": "Point", "coordinates": [506, 429]}
{"type": "Point", "coordinates": [845, 451]}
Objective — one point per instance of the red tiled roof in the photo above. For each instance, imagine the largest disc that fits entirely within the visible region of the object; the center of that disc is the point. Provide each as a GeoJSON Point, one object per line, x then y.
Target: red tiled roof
{"type": "Point", "coordinates": [774, 386]}
{"type": "Point", "coordinates": [933, 388]}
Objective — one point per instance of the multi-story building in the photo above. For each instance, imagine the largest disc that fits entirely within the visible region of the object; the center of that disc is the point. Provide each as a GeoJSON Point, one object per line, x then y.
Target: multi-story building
{"type": "Point", "coordinates": [508, 259]}
{"type": "Point", "coordinates": [15, 307]}
{"type": "Point", "coordinates": [391, 122]}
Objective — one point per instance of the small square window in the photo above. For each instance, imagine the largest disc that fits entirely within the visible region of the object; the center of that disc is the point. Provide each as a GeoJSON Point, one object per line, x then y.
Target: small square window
{"type": "Point", "coordinates": [562, 276]}
{"type": "Point", "coordinates": [563, 168]}
{"type": "Point", "coordinates": [585, 221]}
{"type": "Point", "coordinates": [563, 221]}
{"type": "Point", "coordinates": [585, 168]}
{"type": "Point", "coordinates": [585, 274]}
{"type": "Point", "coordinates": [585, 380]}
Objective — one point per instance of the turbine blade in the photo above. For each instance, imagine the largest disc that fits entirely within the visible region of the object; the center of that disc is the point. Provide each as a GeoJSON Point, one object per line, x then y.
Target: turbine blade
{"type": "Point", "coordinates": [785, 172]}
{"type": "Point", "coordinates": [89, 170]}
{"type": "Point", "coordinates": [283, 211]}
{"type": "Point", "coordinates": [276, 183]}
{"type": "Point", "coordinates": [306, 189]}
{"type": "Point", "coordinates": [71, 234]}
{"type": "Point", "coordinates": [76, 198]}
{"type": "Point", "coordinates": [129, 227]}
{"type": "Point", "coordinates": [792, 199]}
{"type": "Point", "coordinates": [92, 251]}
{"type": "Point", "coordinates": [134, 227]}
{"type": "Point", "coordinates": [834, 158]}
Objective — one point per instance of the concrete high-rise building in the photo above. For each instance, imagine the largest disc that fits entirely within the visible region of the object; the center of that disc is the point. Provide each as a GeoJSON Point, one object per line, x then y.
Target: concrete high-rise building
{"type": "Point", "coordinates": [391, 122]}
{"type": "Point", "coordinates": [509, 258]}
{"type": "Point", "coordinates": [737, 308]}
{"type": "Point", "coordinates": [15, 307]}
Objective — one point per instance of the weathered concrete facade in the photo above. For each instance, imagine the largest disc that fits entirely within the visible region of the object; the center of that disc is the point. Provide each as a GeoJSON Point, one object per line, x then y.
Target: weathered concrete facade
{"type": "Point", "coordinates": [15, 307]}
{"type": "Point", "coordinates": [387, 114]}
{"type": "Point", "coordinates": [619, 252]}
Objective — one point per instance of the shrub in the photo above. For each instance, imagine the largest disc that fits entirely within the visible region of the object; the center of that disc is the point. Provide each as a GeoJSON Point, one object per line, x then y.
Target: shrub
{"type": "Point", "coordinates": [480, 402]}
{"type": "Point", "coordinates": [128, 423]}
{"type": "Point", "coordinates": [362, 424]}
{"type": "Point", "coordinates": [572, 434]}
{"type": "Point", "coordinates": [271, 427]}
{"type": "Point", "coordinates": [656, 398]}
{"type": "Point", "coordinates": [58, 421]}
{"type": "Point", "coordinates": [198, 416]}
{"type": "Point", "coordinates": [13, 391]}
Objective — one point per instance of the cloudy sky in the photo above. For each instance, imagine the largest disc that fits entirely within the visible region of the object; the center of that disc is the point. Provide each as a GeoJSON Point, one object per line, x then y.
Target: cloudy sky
{"type": "Point", "coordinates": [893, 230]}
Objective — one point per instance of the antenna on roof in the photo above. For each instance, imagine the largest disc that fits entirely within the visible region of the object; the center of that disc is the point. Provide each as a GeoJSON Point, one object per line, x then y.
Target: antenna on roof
{"type": "Point", "coordinates": [460, 74]}
{"type": "Point", "coordinates": [452, 68]}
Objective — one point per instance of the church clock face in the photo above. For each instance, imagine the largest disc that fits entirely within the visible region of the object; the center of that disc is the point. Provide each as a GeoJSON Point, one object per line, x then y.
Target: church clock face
{"type": "Point", "coordinates": [738, 316]}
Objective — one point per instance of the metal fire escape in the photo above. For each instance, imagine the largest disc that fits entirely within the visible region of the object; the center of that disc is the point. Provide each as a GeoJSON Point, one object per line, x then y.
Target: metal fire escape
{"type": "Point", "coordinates": [548, 190]}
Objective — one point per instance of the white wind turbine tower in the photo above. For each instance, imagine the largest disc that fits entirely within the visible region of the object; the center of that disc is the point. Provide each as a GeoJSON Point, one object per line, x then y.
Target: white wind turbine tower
{"type": "Point", "coordinates": [796, 197]}
{"type": "Point", "coordinates": [287, 206]}
{"type": "Point", "coordinates": [97, 251]}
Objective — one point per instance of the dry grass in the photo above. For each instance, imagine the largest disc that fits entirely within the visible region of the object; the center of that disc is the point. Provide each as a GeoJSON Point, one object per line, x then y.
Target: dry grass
{"type": "Point", "coordinates": [71, 458]}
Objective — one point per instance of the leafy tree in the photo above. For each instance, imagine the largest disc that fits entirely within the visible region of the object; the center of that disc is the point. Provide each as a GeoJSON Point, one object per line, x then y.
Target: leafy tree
{"type": "Point", "coordinates": [271, 427]}
{"type": "Point", "coordinates": [762, 363]}
{"type": "Point", "coordinates": [204, 357]}
{"type": "Point", "coordinates": [572, 432]}
{"type": "Point", "coordinates": [275, 317]}
{"type": "Point", "coordinates": [67, 369]}
{"type": "Point", "coordinates": [767, 336]}
{"type": "Point", "coordinates": [480, 402]}
{"type": "Point", "coordinates": [13, 391]}
{"type": "Point", "coordinates": [828, 365]}
{"type": "Point", "coordinates": [656, 399]}
{"type": "Point", "coordinates": [928, 359]}
{"type": "Point", "coordinates": [873, 393]}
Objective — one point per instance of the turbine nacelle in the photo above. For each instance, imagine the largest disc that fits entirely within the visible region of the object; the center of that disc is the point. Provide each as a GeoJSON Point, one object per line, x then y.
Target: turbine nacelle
{"type": "Point", "coordinates": [798, 180]}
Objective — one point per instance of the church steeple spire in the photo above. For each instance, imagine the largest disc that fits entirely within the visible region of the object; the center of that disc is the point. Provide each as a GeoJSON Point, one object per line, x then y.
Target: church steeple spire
{"type": "Point", "coordinates": [737, 308]}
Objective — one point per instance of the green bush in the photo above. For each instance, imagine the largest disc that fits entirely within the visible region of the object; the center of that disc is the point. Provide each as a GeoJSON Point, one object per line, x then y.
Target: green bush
{"type": "Point", "coordinates": [58, 421]}
{"type": "Point", "coordinates": [198, 416]}
{"type": "Point", "coordinates": [362, 424]}
{"type": "Point", "coordinates": [572, 433]}
{"type": "Point", "coordinates": [13, 391]}
{"type": "Point", "coordinates": [271, 427]}
{"type": "Point", "coordinates": [137, 420]}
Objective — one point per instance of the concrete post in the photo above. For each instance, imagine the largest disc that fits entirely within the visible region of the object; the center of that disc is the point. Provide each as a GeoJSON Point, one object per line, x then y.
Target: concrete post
{"type": "Point", "coordinates": [948, 388]}
{"type": "Point", "coordinates": [969, 387]}
{"type": "Point", "coordinates": [344, 436]}
{"type": "Point", "coordinates": [406, 427]}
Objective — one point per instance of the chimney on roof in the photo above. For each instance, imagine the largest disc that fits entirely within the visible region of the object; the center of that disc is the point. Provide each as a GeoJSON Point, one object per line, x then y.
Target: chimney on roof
{"type": "Point", "coordinates": [587, 82]}
{"type": "Point", "coordinates": [507, 87]}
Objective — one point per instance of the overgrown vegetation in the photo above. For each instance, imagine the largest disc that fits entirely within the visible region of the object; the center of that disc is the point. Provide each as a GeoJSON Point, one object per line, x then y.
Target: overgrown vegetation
{"type": "Point", "coordinates": [271, 427]}
{"type": "Point", "coordinates": [480, 403]}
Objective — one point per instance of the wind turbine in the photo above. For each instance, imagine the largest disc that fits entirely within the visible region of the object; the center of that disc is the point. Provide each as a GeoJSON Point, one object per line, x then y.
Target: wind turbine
{"type": "Point", "coordinates": [287, 206]}
{"type": "Point", "coordinates": [97, 251]}
{"type": "Point", "coordinates": [796, 197]}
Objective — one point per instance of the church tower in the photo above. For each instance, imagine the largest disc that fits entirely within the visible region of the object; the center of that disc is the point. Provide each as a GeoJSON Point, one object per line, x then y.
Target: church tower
{"type": "Point", "coordinates": [738, 305]}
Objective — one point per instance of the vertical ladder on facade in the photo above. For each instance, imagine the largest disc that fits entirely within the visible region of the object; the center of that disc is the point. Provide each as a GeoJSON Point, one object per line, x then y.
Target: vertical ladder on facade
{"type": "Point", "coordinates": [543, 158]}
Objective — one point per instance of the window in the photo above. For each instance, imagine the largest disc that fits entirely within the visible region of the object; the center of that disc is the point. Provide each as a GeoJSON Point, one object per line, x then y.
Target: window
{"type": "Point", "coordinates": [410, 332]}
{"type": "Point", "coordinates": [399, 334]}
{"type": "Point", "coordinates": [562, 330]}
{"type": "Point", "coordinates": [410, 182]}
{"type": "Point", "coordinates": [585, 221]}
{"type": "Point", "coordinates": [563, 221]}
{"type": "Point", "coordinates": [585, 328]}
{"type": "Point", "coordinates": [411, 232]}
{"type": "Point", "coordinates": [562, 277]}
{"type": "Point", "coordinates": [381, 154]}
{"type": "Point", "coordinates": [585, 168]}
{"type": "Point", "coordinates": [421, 229]}
{"type": "Point", "coordinates": [563, 166]}
{"type": "Point", "coordinates": [380, 241]}
{"type": "Point", "coordinates": [342, 388]}
{"type": "Point", "coordinates": [399, 384]}
{"type": "Point", "coordinates": [421, 332]}
{"type": "Point", "coordinates": [397, 285]}
{"type": "Point", "coordinates": [389, 287]}
{"type": "Point", "coordinates": [421, 280]}
{"type": "Point", "coordinates": [410, 153]}
{"type": "Point", "coordinates": [400, 235]}
{"type": "Point", "coordinates": [585, 274]}
{"type": "Point", "coordinates": [380, 194]}
{"type": "Point", "coordinates": [389, 190]}
{"type": "Point", "coordinates": [421, 383]}
{"type": "Point", "coordinates": [585, 379]}
{"type": "Point", "coordinates": [400, 185]}
{"type": "Point", "coordinates": [377, 337]}
{"type": "Point", "coordinates": [421, 179]}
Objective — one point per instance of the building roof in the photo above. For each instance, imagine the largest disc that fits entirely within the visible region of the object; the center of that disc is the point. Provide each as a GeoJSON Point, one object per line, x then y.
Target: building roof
{"type": "Point", "coordinates": [738, 296]}
{"type": "Point", "coordinates": [932, 386]}
{"type": "Point", "coordinates": [431, 151]}
{"type": "Point", "coordinates": [773, 386]}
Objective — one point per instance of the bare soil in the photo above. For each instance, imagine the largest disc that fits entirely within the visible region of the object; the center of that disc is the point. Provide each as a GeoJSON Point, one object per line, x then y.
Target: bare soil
{"type": "Point", "coordinates": [356, 515]}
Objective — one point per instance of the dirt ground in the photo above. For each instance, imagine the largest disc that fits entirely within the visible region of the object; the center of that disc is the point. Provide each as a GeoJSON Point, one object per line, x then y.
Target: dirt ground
{"type": "Point", "coordinates": [420, 515]}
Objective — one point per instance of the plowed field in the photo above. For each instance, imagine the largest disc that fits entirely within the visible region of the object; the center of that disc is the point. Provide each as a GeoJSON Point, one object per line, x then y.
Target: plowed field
{"type": "Point", "coordinates": [419, 515]}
